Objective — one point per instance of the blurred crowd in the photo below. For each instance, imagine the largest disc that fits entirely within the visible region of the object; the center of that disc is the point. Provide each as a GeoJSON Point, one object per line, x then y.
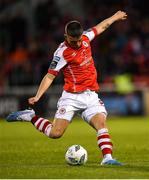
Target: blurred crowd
{"type": "Point", "coordinates": [30, 32]}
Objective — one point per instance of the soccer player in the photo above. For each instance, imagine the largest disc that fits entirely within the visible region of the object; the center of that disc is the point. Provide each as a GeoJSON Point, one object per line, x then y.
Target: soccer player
{"type": "Point", "coordinates": [74, 58]}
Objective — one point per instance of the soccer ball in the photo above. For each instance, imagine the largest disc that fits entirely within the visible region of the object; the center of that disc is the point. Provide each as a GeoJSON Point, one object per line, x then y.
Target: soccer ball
{"type": "Point", "coordinates": [76, 155]}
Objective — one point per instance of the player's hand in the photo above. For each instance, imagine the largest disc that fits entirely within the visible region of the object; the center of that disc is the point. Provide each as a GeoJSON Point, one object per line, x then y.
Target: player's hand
{"type": "Point", "coordinates": [33, 100]}
{"type": "Point", "coordinates": [120, 15]}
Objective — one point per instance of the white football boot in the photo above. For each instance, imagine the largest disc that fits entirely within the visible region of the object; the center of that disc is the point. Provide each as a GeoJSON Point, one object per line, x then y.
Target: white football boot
{"type": "Point", "coordinates": [107, 161]}
{"type": "Point", "coordinates": [25, 115]}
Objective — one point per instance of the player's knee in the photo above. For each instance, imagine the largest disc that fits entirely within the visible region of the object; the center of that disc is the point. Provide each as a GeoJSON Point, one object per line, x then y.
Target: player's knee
{"type": "Point", "coordinates": [102, 124]}
{"type": "Point", "coordinates": [98, 121]}
{"type": "Point", "coordinates": [56, 134]}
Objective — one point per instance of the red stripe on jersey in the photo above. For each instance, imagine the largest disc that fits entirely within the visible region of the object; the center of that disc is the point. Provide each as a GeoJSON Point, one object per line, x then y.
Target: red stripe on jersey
{"type": "Point", "coordinates": [103, 136]}
{"type": "Point", "coordinates": [95, 31]}
{"type": "Point", "coordinates": [105, 143]}
{"type": "Point", "coordinates": [50, 71]}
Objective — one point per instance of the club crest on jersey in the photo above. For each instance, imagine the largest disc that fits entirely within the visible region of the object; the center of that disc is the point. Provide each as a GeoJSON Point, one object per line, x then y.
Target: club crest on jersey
{"type": "Point", "coordinates": [85, 44]}
{"type": "Point", "coordinates": [62, 111]}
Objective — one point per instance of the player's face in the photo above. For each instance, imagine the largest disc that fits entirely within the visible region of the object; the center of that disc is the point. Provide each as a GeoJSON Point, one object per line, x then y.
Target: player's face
{"type": "Point", "coordinates": [74, 42]}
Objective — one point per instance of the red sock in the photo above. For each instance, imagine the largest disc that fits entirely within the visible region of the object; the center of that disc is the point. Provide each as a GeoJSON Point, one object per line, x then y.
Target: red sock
{"type": "Point", "coordinates": [104, 141]}
{"type": "Point", "coordinates": [43, 125]}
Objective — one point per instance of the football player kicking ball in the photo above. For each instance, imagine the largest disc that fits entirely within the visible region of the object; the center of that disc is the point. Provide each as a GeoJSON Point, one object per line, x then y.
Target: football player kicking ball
{"type": "Point", "coordinates": [74, 58]}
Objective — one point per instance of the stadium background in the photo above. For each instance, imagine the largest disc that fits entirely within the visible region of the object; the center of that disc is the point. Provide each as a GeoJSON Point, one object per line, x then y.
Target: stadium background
{"type": "Point", "coordinates": [30, 31]}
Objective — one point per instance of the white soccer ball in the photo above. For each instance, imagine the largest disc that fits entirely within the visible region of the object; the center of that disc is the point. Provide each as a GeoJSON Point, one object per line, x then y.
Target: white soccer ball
{"type": "Point", "coordinates": [76, 155]}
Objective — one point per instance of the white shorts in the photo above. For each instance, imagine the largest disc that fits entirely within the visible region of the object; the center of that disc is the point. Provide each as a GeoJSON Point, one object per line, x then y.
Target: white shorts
{"type": "Point", "coordinates": [86, 104]}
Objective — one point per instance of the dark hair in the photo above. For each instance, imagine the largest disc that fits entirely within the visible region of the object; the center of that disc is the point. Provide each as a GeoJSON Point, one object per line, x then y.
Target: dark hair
{"type": "Point", "coordinates": [74, 29]}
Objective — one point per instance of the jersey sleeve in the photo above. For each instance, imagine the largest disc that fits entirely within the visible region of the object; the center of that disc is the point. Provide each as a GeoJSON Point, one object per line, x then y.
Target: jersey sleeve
{"type": "Point", "coordinates": [91, 33]}
{"type": "Point", "coordinates": [58, 62]}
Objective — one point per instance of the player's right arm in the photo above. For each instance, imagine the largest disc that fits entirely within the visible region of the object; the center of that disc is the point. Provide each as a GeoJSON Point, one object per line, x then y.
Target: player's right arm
{"type": "Point", "coordinates": [44, 85]}
{"type": "Point", "coordinates": [56, 65]}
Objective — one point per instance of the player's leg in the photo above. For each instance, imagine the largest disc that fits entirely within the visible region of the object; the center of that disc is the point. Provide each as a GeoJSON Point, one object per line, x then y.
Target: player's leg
{"type": "Point", "coordinates": [58, 128]}
{"type": "Point", "coordinates": [98, 122]}
{"type": "Point", "coordinates": [95, 115]}
{"type": "Point", "coordinates": [53, 129]}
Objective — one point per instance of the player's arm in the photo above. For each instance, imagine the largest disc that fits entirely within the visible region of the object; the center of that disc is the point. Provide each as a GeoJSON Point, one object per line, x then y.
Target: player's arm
{"type": "Point", "coordinates": [58, 62]}
{"type": "Point", "coordinates": [102, 26]}
{"type": "Point", "coordinates": [44, 85]}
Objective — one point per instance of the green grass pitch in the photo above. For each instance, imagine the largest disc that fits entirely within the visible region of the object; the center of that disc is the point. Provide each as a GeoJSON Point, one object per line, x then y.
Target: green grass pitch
{"type": "Point", "coordinates": [26, 153]}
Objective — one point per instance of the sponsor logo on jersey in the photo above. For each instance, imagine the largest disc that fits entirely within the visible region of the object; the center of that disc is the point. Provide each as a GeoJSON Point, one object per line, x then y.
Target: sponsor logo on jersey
{"type": "Point", "coordinates": [73, 54]}
{"type": "Point", "coordinates": [86, 61]}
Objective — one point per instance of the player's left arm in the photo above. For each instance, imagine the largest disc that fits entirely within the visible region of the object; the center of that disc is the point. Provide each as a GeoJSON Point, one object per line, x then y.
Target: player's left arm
{"type": "Point", "coordinates": [102, 26]}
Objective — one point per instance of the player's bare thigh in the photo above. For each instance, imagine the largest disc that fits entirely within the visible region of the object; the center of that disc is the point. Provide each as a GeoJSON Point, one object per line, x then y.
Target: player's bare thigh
{"type": "Point", "coordinates": [98, 121]}
{"type": "Point", "coordinates": [58, 127]}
